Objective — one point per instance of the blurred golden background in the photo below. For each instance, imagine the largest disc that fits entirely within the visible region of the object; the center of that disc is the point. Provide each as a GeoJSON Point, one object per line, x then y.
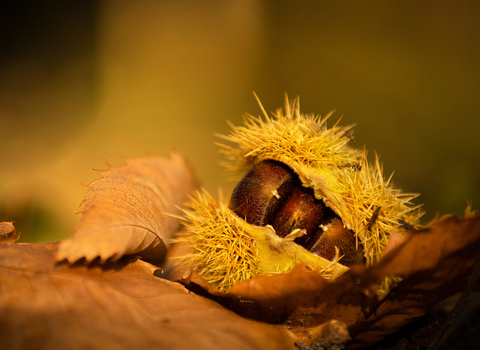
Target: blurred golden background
{"type": "Point", "coordinates": [83, 81]}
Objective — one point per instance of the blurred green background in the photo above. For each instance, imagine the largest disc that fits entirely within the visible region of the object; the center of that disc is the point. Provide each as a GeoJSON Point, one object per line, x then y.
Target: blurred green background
{"type": "Point", "coordinates": [85, 81]}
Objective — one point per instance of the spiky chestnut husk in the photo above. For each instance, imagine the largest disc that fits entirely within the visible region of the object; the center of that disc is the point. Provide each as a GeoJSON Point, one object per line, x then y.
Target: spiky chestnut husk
{"type": "Point", "coordinates": [227, 250]}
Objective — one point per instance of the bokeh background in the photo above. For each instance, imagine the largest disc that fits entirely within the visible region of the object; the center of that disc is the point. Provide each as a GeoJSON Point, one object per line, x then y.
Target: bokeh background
{"type": "Point", "coordinates": [83, 82]}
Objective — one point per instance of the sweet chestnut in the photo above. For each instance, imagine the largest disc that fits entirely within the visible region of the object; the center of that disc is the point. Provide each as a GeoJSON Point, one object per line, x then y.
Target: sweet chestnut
{"type": "Point", "coordinates": [261, 192]}
{"type": "Point", "coordinates": [270, 193]}
{"type": "Point", "coordinates": [301, 210]}
{"type": "Point", "coordinates": [332, 234]}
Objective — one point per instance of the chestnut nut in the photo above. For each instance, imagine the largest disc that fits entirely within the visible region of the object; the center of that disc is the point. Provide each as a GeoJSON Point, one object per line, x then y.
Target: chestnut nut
{"type": "Point", "coordinates": [270, 193]}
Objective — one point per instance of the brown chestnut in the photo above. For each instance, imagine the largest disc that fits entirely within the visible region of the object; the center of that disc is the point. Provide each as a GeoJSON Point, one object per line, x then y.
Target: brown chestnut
{"type": "Point", "coordinates": [300, 211]}
{"type": "Point", "coordinates": [261, 192]}
{"type": "Point", "coordinates": [333, 234]}
{"type": "Point", "coordinates": [271, 193]}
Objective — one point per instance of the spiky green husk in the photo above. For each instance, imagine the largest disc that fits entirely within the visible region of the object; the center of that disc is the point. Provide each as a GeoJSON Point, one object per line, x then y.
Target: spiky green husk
{"type": "Point", "coordinates": [293, 138]}
{"type": "Point", "coordinates": [227, 250]}
{"type": "Point", "coordinates": [223, 254]}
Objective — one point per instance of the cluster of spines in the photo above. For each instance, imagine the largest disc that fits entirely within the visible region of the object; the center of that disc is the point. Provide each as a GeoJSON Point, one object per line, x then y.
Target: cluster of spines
{"type": "Point", "coordinates": [222, 252]}
{"type": "Point", "coordinates": [292, 136]}
{"type": "Point", "coordinates": [376, 207]}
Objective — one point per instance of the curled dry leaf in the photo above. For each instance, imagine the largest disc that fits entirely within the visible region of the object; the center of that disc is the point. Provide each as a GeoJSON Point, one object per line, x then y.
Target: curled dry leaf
{"type": "Point", "coordinates": [7, 232]}
{"type": "Point", "coordinates": [127, 210]}
{"type": "Point", "coordinates": [117, 305]}
{"type": "Point", "coordinates": [434, 264]}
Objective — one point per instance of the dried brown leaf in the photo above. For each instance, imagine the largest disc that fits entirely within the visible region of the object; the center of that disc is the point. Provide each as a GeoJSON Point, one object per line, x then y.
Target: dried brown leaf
{"type": "Point", "coordinates": [7, 232]}
{"type": "Point", "coordinates": [118, 305]}
{"type": "Point", "coordinates": [434, 263]}
{"type": "Point", "coordinates": [127, 210]}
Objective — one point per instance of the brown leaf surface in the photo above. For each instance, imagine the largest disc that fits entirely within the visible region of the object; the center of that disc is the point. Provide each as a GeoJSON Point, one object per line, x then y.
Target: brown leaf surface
{"type": "Point", "coordinates": [434, 263]}
{"type": "Point", "coordinates": [118, 305]}
{"type": "Point", "coordinates": [126, 211]}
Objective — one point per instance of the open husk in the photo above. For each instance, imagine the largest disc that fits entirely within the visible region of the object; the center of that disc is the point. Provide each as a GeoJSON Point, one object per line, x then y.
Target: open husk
{"type": "Point", "coordinates": [227, 250]}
